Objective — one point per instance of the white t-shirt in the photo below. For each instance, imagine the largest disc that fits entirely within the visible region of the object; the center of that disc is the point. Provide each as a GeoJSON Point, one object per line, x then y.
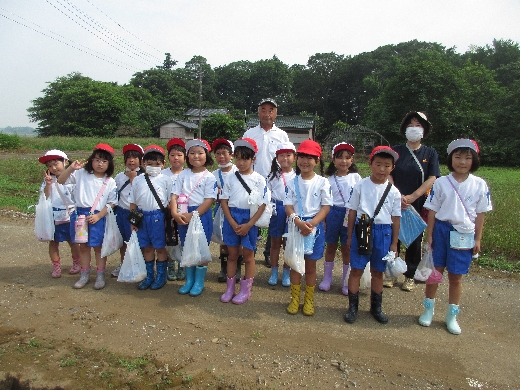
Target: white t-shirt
{"type": "Point", "coordinates": [314, 193]}
{"type": "Point", "coordinates": [66, 191]}
{"type": "Point", "coordinates": [124, 195]}
{"type": "Point", "coordinates": [237, 195]}
{"type": "Point", "coordinates": [278, 184]}
{"type": "Point", "coordinates": [266, 141]}
{"type": "Point", "coordinates": [87, 186]}
{"type": "Point", "coordinates": [142, 196]}
{"type": "Point", "coordinates": [205, 187]}
{"type": "Point", "coordinates": [366, 196]}
{"type": "Point", "coordinates": [346, 184]}
{"type": "Point", "coordinates": [224, 175]}
{"type": "Point", "coordinates": [445, 202]}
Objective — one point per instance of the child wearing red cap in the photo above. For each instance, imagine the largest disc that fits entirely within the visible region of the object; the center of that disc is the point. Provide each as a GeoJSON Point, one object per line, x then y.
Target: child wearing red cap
{"type": "Point", "coordinates": [62, 205]}
{"type": "Point", "coordinates": [307, 202]}
{"type": "Point", "coordinates": [151, 234]}
{"type": "Point", "coordinates": [457, 205]}
{"type": "Point", "coordinates": [384, 227]}
{"type": "Point", "coordinates": [133, 156]}
{"type": "Point", "coordinates": [94, 191]}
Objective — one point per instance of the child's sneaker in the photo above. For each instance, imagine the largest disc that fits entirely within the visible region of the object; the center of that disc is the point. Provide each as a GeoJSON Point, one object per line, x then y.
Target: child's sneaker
{"type": "Point", "coordinates": [115, 272]}
{"type": "Point", "coordinates": [56, 269]}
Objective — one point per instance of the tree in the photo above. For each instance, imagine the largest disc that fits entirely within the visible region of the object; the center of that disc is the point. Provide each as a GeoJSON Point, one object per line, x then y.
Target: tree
{"type": "Point", "coordinates": [222, 126]}
{"type": "Point", "coordinates": [168, 63]}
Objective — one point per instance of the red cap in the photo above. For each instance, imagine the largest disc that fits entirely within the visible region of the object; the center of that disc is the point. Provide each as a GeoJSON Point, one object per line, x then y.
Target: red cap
{"type": "Point", "coordinates": [175, 141]}
{"type": "Point", "coordinates": [135, 147]}
{"type": "Point", "coordinates": [384, 149]}
{"type": "Point", "coordinates": [105, 147]}
{"type": "Point", "coordinates": [310, 147]}
{"type": "Point", "coordinates": [222, 141]}
{"type": "Point", "coordinates": [248, 143]}
{"type": "Point", "coordinates": [153, 148]}
{"type": "Point", "coordinates": [343, 146]}
{"type": "Point", "coordinates": [198, 142]}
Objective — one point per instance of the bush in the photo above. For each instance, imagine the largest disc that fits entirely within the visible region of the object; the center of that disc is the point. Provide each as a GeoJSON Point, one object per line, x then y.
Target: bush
{"type": "Point", "coordinates": [9, 141]}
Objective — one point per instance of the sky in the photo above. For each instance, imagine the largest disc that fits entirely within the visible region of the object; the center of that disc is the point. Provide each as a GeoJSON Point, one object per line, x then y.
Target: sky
{"type": "Point", "coordinates": [110, 40]}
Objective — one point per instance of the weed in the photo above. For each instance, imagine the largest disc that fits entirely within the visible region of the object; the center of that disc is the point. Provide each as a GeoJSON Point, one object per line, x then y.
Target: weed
{"type": "Point", "coordinates": [106, 374]}
{"type": "Point", "coordinates": [33, 343]}
{"type": "Point", "coordinates": [257, 334]}
{"type": "Point", "coordinates": [132, 364]}
{"type": "Point", "coordinates": [68, 362]}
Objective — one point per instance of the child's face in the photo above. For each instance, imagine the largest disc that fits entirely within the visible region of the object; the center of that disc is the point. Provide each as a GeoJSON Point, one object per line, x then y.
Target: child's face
{"type": "Point", "coordinates": [153, 163]}
{"type": "Point", "coordinates": [286, 161]}
{"type": "Point", "coordinates": [132, 163]}
{"type": "Point", "coordinates": [55, 167]}
{"type": "Point", "coordinates": [223, 156]}
{"type": "Point", "coordinates": [244, 165]}
{"type": "Point", "coordinates": [99, 165]}
{"type": "Point", "coordinates": [176, 159]}
{"type": "Point", "coordinates": [461, 162]}
{"type": "Point", "coordinates": [343, 161]}
{"type": "Point", "coordinates": [197, 156]}
{"type": "Point", "coordinates": [381, 168]}
{"type": "Point", "coordinates": [306, 164]}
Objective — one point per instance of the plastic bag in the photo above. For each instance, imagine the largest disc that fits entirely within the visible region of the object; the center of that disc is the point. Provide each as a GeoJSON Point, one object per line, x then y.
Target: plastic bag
{"type": "Point", "coordinates": [395, 267]}
{"type": "Point", "coordinates": [44, 220]}
{"type": "Point", "coordinates": [218, 221]}
{"type": "Point", "coordinates": [133, 268]}
{"type": "Point", "coordinates": [112, 240]}
{"type": "Point", "coordinates": [366, 278]}
{"type": "Point", "coordinates": [197, 252]}
{"type": "Point", "coordinates": [293, 252]}
{"type": "Point", "coordinates": [255, 200]}
{"type": "Point", "coordinates": [412, 225]}
{"type": "Point", "coordinates": [425, 267]}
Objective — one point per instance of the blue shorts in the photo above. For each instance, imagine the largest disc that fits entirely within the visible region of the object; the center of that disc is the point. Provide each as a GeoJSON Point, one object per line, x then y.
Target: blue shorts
{"type": "Point", "coordinates": [62, 232]}
{"type": "Point", "coordinates": [123, 224]}
{"type": "Point", "coordinates": [456, 261]}
{"type": "Point", "coordinates": [278, 223]}
{"type": "Point", "coordinates": [319, 242]}
{"type": "Point", "coordinates": [381, 241]}
{"type": "Point", "coordinates": [96, 232]}
{"type": "Point", "coordinates": [152, 232]}
{"type": "Point", "coordinates": [241, 216]}
{"type": "Point", "coordinates": [207, 224]}
{"type": "Point", "coordinates": [334, 226]}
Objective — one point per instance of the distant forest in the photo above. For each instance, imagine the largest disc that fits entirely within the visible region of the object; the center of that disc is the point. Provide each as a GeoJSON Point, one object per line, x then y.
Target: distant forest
{"type": "Point", "coordinates": [27, 131]}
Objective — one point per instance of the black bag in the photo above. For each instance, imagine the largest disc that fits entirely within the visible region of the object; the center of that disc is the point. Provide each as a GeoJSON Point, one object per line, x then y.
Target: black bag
{"type": "Point", "coordinates": [364, 226]}
{"type": "Point", "coordinates": [135, 218]}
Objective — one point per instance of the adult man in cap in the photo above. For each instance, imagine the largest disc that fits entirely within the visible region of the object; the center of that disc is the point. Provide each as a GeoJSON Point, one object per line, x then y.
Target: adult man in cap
{"type": "Point", "coordinates": [267, 137]}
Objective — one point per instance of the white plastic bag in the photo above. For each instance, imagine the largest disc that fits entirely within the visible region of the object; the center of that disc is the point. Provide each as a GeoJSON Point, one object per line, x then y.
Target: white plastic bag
{"type": "Point", "coordinates": [112, 240]}
{"type": "Point", "coordinates": [196, 248]}
{"type": "Point", "coordinates": [412, 225]}
{"type": "Point", "coordinates": [395, 267]}
{"type": "Point", "coordinates": [133, 268]}
{"type": "Point", "coordinates": [293, 252]}
{"type": "Point", "coordinates": [218, 221]}
{"type": "Point", "coordinates": [255, 200]}
{"type": "Point", "coordinates": [425, 267]}
{"type": "Point", "coordinates": [44, 220]}
{"type": "Point", "coordinates": [366, 278]}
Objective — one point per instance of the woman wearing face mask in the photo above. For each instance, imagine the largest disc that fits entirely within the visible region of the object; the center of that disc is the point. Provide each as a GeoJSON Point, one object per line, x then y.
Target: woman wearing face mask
{"type": "Point", "coordinates": [414, 174]}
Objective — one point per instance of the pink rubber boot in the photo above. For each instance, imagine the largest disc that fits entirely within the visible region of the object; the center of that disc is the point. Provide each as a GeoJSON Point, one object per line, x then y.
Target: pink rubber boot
{"type": "Point", "coordinates": [245, 291]}
{"type": "Point", "coordinates": [230, 291]}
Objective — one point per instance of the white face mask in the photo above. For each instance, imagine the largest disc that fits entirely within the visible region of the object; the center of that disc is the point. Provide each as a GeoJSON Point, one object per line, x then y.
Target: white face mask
{"type": "Point", "coordinates": [153, 171]}
{"type": "Point", "coordinates": [225, 165]}
{"type": "Point", "coordinates": [414, 134]}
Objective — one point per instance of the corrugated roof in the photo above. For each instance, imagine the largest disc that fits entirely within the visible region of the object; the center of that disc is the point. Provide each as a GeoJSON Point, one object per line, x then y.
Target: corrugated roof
{"type": "Point", "coordinates": [205, 112]}
{"type": "Point", "coordinates": [294, 122]}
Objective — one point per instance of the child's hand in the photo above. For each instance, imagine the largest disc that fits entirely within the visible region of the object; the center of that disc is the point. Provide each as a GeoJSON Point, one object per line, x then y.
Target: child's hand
{"type": "Point", "coordinates": [242, 230]}
{"type": "Point", "coordinates": [429, 241]}
{"type": "Point", "coordinates": [76, 165]}
{"type": "Point", "coordinates": [182, 219]}
{"type": "Point", "coordinates": [47, 177]}
{"type": "Point", "coordinates": [305, 228]}
{"type": "Point", "coordinates": [476, 248]}
{"type": "Point", "coordinates": [92, 219]}
{"type": "Point", "coordinates": [133, 228]}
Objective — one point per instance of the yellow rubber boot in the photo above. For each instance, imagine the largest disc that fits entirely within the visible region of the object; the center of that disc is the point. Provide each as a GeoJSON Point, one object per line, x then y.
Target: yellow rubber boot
{"type": "Point", "coordinates": [295, 299]}
{"type": "Point", "coordinates": [308, 301]}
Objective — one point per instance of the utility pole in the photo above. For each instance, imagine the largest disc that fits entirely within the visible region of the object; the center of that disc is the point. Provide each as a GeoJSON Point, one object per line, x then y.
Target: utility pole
{"type": "Point", "coordinates": [200, 103]}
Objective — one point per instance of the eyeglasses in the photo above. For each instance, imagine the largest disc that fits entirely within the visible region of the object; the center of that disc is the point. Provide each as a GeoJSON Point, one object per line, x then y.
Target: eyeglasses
{"type": "Point", "coordinates": [99, 161]}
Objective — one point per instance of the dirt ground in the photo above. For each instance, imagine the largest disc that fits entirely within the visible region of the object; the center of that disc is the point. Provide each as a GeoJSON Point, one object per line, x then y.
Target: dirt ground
{"type": "Point", "coordinates": [52, 336]}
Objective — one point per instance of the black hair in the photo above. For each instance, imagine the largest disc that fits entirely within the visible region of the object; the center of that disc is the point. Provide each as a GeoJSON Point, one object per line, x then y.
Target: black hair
{"type": "Point", "coordinates": [275, 169]}
{"type": "Point", "coordinates": [317, 159]}
{"type": "Point", "coordinates": [154, 156]}
{"type": "Point", "coordinates": [331, 169]}
{"type": "Point", "coordinates": [223, 146]}
{"type": "Point", "coordinates": [209, 159]}
{"type": "Point", "coordinates": [133, 154]}
{"type": "Point", "coordinates": [177, 148]}
{"type": "Point", "coordinates": [383, 155]}
{"type": "Point", "coordinates": [244, 152]}
{"type": "Point", "coordinates": [104, 155]}
{"type": "Point", "coordinates": [475, 163]}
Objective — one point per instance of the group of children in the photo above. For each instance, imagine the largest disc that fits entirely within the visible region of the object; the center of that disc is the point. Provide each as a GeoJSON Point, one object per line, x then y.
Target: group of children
{"type": "Point", "coordinates": [325, 211]}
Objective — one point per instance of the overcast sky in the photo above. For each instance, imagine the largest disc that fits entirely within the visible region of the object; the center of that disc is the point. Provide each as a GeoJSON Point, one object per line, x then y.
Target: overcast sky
{"type": "Point", "coordinates": [110, 40]}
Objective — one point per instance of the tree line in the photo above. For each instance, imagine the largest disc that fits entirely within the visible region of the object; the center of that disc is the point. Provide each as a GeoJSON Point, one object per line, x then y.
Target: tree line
{"type": "Point", "coordinates": [475, 94]}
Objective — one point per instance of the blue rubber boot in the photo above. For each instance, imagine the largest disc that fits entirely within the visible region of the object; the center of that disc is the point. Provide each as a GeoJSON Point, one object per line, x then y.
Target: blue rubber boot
{"type": "Point", "coordinates": [150, 275]}
{"type": "Point", "coordinates": [451, 319]}
{"type": "Point", "coordinates": [426, 317]}
{"type": "Point", "coordinates": [198, 286]}
{"type": "Point", "coordinates": [161, 277]}
{"type": "Point", "coordinates": [190, 279]}
{"type": "Point", "coordinates": [273, 280]}
{"type": "Point", "coordinates": [286, 277]}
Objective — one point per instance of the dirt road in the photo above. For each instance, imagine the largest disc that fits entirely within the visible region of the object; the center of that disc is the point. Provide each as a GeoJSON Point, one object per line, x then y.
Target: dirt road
{"type": "Point", "coordinates": [52, 336]}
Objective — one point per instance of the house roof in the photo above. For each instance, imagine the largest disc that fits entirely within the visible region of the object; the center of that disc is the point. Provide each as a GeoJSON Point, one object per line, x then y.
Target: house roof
{"type": "Point", "coordinates": [294, 122]}
{"type": "Point", "coordinates": [205, 112]}
{"type": "Point", "coordinates": [187, 125]}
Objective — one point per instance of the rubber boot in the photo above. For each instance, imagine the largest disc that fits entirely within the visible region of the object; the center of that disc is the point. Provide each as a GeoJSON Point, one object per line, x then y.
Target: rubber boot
{"type": "Point", "coordinates": [190, 279]}
{"type": "Point", "coordinates": [56, 269]}
{"type": "Point", "coordinates": [83, 279]}
{"type": "Point", "coordinates": [308, 301]}
{"type": "Point", "coordinates": [171, 275]}
{"type": "Point", "coordinates": [99, 284]}
{"type": "Point", "coordinates": [286, 277]}
{"type": "Point", "coordinates": [353, 302]}
{"type": "Point", "coordinates": [238, 275]}
{"type": "Point", "coordinates": [181, 272]}
{"type": "Point", "coordinates": [294, 305]}
{"type": "Point", "coordinates": [273, 280]}
{"type": "Point", "coordinates": [376, 301]}
{"type": "Point", "coordinates": [198, 285]}
{"type": "Point", "coordinates": [223, 269]}
{"type": "Point", "coordinates": [76, 268]}
{"type": "Point", "coordinates": [344, 280]}
{"type": "Point", "coordinates": [451, 319]}
{"type": "Point", "coordinates": [150, 275]}
{"type": "Point", "coordinates": [328, 266]}
{"type": "Point", "coordinates": [426, 317]}
{"type": "Point", "coordinates": [161, 277]}
{"type": "Point", "coordinates": [244, 293]}
{"type": "Point", "coordinates": [230, 290]}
